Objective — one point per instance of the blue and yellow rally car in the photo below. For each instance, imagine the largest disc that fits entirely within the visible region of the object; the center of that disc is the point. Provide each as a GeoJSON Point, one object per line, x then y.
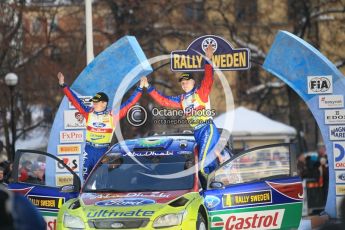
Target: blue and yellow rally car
{"type": "Point", "coordinates": [151, 183]}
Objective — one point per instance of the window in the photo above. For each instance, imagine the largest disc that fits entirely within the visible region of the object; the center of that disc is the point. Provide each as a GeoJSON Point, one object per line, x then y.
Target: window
{"type": "Point", "coordinates": [195, 11]}
{"type": "Point", "coordinates": [246, 11]}
{"type": "Point", "coordinates": [54, 24]}
{"type": "Point", "coordinates": [56, 54]}
{"type": "Point", "coordinates": [296, 10]}
{"type": "Point", "coordinates": [32, 169]}
{"type": "Point", "coordinates": [38, 169]}
{"type": "Point", "coordinates": [109, 23]}
{"type": "Point", "coordinates": [255, 165]}
{"type": "Point", "coordinates": [36, 25]}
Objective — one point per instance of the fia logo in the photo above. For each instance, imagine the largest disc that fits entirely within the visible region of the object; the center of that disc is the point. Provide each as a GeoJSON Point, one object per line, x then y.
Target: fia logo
{"type": "Point", "coordinates": [320, 84]}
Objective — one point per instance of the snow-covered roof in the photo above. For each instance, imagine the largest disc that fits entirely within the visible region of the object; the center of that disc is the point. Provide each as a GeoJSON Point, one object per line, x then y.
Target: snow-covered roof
{"type": "Point", "coordinates": [251, 123]}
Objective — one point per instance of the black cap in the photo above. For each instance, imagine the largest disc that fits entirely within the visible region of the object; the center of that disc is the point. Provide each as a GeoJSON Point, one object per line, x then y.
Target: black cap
{"type": "Point", "coordinates": [186, 76]}
{"type": "Point", "coordinates": [100, 96]}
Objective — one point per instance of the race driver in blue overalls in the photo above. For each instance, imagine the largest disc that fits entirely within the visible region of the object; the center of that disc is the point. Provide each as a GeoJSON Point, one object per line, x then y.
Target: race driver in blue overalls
{"type": "Point", "coordinates": [195, 101]}
{"type": "Point", "coordinates": [100, 122]}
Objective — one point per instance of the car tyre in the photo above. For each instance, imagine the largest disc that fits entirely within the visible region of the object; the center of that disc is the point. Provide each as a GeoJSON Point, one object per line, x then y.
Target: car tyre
{"type": "Point", "coordinates": [201, 223]}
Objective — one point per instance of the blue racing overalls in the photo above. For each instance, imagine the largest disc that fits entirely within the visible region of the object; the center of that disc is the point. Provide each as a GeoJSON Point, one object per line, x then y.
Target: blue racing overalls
{"type": "Point", "coordinates": [99, 127]}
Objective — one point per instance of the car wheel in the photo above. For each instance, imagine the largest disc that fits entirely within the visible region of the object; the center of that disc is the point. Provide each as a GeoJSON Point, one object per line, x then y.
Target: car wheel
{"type": "Point", "coordinates": [201, 223]}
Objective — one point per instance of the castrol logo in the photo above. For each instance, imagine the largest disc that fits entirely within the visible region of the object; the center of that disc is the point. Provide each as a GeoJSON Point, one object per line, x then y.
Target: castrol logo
{"type": "Point", "coordinates": [271, 219]}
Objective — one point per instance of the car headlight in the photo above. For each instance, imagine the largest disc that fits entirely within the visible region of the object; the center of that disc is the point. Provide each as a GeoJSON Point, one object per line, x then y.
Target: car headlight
{"type": "Point", "coordinates": [169, 220]}
{"type": "Point", "coordinates": [72, 222]}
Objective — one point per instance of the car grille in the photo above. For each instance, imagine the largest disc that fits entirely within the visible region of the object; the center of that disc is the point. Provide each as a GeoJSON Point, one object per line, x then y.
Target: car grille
{"type": "Point", "coordinates": [118, 223]}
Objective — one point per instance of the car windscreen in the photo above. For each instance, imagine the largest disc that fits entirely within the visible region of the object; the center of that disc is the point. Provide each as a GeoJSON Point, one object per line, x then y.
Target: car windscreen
{"type": "Point", "coordinates": [118, 173]}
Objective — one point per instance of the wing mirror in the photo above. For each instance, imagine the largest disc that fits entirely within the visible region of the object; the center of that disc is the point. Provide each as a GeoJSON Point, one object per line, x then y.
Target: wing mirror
{"type": "Point", "coordinates": [216, 185]}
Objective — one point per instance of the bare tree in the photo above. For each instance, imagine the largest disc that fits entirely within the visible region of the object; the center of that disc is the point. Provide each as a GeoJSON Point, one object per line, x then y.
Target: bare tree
{"type": "Point", "coordinates": [36, 47]}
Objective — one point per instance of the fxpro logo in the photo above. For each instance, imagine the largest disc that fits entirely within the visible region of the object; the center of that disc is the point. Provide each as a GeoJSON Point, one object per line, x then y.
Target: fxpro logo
{"type": "Point", "coordinates": [271, 219]}
{"type": "Point", "coordinates": [339, 154]}
{"type": "Point", "coordinates": [320, 84]}
{"type": "Point", "coordinates": [71, 136]}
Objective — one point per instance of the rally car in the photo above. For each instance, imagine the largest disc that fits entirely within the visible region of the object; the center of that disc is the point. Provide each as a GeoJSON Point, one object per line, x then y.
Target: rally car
{"type": "Point", "coordinates": [150, 183]}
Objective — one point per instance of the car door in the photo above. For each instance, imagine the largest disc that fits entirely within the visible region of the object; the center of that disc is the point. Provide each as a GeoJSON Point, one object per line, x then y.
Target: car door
{"type": "Point", "coordinates": [34, 176]}
{"type": "Point", "coordinates": [256, 189]}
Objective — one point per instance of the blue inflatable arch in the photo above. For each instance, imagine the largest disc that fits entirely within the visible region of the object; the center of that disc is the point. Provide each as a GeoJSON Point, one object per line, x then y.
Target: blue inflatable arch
{"type": "Point", "coordinates": [322, 87]}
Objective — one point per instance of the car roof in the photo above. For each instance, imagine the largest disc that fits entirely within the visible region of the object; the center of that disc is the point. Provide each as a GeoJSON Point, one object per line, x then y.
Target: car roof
{"type": "Point", "coordinates": [156, 145]}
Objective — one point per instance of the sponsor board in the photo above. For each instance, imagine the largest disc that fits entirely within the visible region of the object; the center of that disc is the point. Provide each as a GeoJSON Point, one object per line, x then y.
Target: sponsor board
{"type": "Point", "coordinates": [70, 161]}
{"type": "Point", "coordinates": [335, 116]}
{"type": "Point", "coordinates": [250, 198]}
{"type": "Point", "coordinates": [211, 201]}
{"type": "Point", "coordinates": [47, 202]}
{"type": "Point", "coordinates": [263, 220]}
{"type": "Point", "coordinates": [331, 101]}
{"type": "Point", "coordinates": [50, 222]}
{"type": "Point", "coordinates": [85, 100]}
{"type": "Point", "coordinates": [69, 149]}
{"type": "Point", "coordinates": [125, 202]}
{"type": "Point", "coordinates": [63, 179]}
{"type": "Point", "coordinates": [337, 132]}
{"type": "Point", "coordinates": [339, 154]}
{"type": "Point", "coordinates": [339, 177]}
{"type": "Point", "coordinates": [225, 57]}
{"type": "Point", "coordinates": [116, 213]}
{"type": "Point", "coordinates": [73, 119]}
{"type": "Point", "coordinates": [71, 136]}
{"type": "Point", "coordinates": [320, 84]}
{"type": "Point", "coordinates": [339, 190]}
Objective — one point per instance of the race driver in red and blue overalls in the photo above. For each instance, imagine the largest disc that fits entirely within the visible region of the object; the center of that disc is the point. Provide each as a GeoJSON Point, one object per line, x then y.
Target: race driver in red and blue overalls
{"type": "Point", "coordinates": [100, 122]}
{"type": "Point", "coordinates": [195, 102]}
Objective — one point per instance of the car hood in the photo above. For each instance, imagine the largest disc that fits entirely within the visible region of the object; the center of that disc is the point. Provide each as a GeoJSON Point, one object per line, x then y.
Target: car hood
{"type": "Point", "coordinates": [130, 198]}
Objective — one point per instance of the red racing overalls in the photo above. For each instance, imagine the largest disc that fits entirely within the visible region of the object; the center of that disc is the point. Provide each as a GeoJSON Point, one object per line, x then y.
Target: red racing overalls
{"type": "Point", "coordinates": [195, 105]}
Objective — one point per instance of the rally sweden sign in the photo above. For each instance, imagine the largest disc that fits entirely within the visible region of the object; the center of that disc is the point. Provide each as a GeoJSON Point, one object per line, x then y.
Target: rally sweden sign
{"type": "Point", "coordinates": [225, 57]}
